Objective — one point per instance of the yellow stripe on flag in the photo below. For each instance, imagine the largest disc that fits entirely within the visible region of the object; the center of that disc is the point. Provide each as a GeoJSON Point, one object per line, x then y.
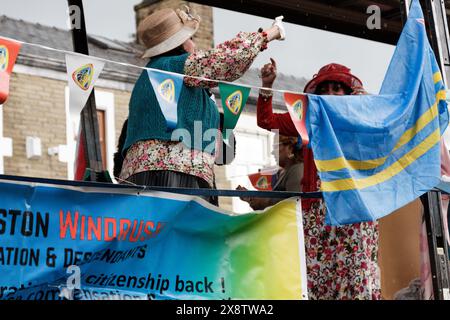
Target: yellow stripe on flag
{"type": "Point", "coordinates": [422, 122]}
{"type": "Point", "coordinates": [389, 172]}
{"type": "Point", "coordinates": [437, 77]}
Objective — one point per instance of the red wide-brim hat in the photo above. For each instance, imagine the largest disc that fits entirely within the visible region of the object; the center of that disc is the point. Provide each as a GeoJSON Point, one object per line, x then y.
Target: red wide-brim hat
{"type": "Point", "coordinates": [333, 72]}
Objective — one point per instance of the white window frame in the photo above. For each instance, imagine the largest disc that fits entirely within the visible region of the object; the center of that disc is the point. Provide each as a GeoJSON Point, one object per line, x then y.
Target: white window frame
{"type": "Point", "coordinates": [105, 102]}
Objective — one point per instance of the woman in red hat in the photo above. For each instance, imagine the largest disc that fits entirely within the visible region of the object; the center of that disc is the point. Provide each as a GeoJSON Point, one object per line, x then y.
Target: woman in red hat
{"type": "Point", "coordinates": [341, 261]}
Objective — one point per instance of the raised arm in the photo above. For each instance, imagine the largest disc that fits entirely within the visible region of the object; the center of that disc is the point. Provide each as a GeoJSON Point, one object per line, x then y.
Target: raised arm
{"type": "Point", "coordinates": [264, 112]}
{"type": "Point", "coordinates": [229, 60]}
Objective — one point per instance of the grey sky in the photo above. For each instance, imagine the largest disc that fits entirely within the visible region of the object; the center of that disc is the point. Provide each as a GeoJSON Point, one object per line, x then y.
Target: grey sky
{"type": "Point", "coordinates": [305, 49]}
{"type": "Point", "coordinates": [111, 18]}
{"type": "Point", "coordinates": [302, 54]}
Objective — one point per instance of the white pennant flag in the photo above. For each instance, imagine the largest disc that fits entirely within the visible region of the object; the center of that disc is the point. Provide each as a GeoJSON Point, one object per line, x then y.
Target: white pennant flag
{"type": "Point", "coordinates": [82, 73]}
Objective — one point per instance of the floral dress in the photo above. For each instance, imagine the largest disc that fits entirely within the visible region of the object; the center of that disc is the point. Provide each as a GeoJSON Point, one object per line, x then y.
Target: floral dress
{"type": "Point", "coordinates": [342, 262]}
{"type": "Point", "coordinates": [228, 62]}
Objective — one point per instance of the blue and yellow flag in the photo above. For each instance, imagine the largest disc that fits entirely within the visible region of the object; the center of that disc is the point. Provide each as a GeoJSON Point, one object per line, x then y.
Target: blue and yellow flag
{"type": "Point", "coordinates": [376, 153]}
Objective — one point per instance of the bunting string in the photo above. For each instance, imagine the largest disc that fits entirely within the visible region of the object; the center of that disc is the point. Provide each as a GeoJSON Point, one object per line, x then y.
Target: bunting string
{"type": "Point", "coordinates": [150, 69]}
{"type": "Point", "coordinates": [85, 69]}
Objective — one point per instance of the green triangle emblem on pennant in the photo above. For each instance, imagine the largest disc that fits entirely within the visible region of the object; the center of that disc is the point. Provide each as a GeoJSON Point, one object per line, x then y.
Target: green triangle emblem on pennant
{"type": "Point", "coordinates": [233, 99]}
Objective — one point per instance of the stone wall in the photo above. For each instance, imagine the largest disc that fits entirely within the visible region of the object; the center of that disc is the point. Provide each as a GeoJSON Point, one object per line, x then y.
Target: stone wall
{"type": "Point", "coordinates": [36, 107]}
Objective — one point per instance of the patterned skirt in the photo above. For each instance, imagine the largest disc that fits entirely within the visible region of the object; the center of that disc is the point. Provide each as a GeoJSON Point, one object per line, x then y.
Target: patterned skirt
{"type": "Point", "coordinates": [342, 262]}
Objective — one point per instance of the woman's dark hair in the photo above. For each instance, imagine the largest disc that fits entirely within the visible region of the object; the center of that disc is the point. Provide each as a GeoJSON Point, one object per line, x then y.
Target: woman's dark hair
{"type": "Point", "coordinates": [118, 157]}
{"type": "Point", "coordinates": [296, 144]}
{"type": "Point", "coordinates": [346, 88]}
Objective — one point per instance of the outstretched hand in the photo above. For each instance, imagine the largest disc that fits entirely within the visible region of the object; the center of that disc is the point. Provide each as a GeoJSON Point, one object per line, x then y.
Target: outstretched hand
{"type": "Point", "coordinates": [269, 73]}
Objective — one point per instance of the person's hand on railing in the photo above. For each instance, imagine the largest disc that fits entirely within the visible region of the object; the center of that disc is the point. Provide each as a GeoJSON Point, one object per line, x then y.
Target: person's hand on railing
{"type": "Point", "coordinates": [241, 188]}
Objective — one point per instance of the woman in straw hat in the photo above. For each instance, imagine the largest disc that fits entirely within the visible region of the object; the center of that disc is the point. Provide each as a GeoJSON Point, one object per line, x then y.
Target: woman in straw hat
{"type": "Point", "coordinates": [341, 261]}
{"type": "Point", "coordinates": [152, 156]}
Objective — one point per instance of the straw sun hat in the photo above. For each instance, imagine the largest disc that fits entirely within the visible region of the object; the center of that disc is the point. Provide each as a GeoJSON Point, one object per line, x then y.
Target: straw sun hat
{"type": "Point", "coordinates": [167, 29]}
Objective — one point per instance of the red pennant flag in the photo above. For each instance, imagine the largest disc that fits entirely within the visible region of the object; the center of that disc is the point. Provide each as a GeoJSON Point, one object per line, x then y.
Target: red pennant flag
{"type": "Point", "coordinates": [81, 159]}
{"type": "Point", "coordinates": [297, 105]}
{"type": "Point", "coordinates": [9, 50]}
{"type": "Point", "coordinates": [262, 182]}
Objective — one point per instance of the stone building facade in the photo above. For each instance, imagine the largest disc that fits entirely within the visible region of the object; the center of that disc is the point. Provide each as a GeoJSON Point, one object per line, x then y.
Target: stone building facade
{"type": "Point", "coordinates": [38, 103]}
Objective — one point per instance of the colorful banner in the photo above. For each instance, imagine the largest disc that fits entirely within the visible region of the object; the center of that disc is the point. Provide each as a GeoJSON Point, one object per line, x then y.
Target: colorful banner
{"type": "Point", "coordinates": [297, 105]}
{"type": "Point", "coordinates": [234, 99]}
{"type": "Point", "coordinates": [82, 72]}
{"type": "Point", "coordinates": [9, 50]}
{"type": "Point", "coordinates": [116, 243]}
{"type": "Point", "coordinates": [167, 88]}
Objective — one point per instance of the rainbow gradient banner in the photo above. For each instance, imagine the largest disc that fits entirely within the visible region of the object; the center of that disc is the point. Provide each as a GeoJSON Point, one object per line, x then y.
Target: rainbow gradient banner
{"type": "Point", "coordinates": [83, 242]}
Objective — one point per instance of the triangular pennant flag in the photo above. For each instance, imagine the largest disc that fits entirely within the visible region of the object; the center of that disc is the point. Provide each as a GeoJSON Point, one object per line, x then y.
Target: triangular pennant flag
{"type": "Point", "coordinates": [265, 179]}
{"type": "Point", "coordinates": [261, 182]}
{"type": "Point", "coordinates": [82, 74]}
{"type": "Point", "coordinates": [167, 89]}
{"type": "Point", "coordinates": [297, 105]}
{"type": "Point", "coordinates": [234, 99]}
{"type": "Point", "coordinates": [9, 51]}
